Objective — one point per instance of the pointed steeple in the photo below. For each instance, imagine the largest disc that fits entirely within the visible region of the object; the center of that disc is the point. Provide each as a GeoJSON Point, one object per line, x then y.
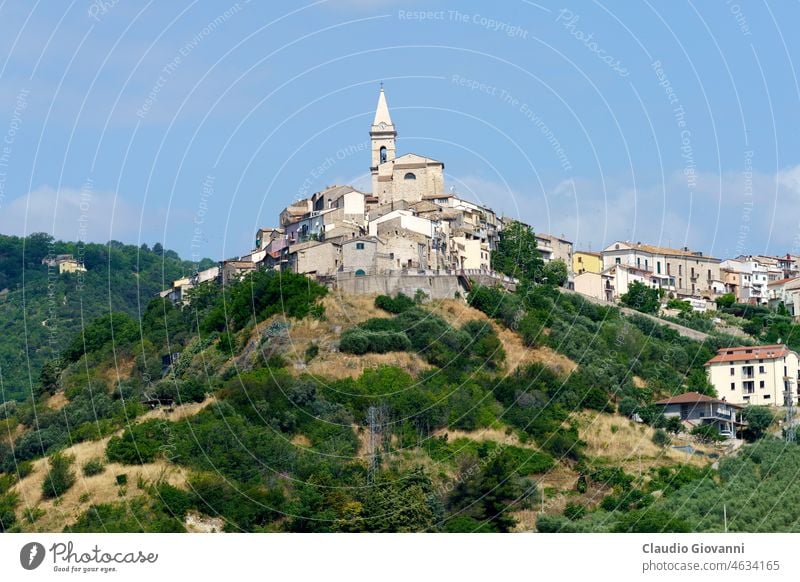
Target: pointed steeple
{"type": "Point", "coordinates": [382, 111]}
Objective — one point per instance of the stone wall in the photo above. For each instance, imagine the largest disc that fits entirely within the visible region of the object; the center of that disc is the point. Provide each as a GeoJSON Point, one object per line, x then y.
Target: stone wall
{"type": "Point", "coordinates": [435, 286]}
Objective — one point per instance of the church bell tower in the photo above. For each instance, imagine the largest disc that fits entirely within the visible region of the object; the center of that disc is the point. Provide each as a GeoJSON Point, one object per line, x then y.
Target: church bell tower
{"type": "Point", "coordinates": [383, 134]}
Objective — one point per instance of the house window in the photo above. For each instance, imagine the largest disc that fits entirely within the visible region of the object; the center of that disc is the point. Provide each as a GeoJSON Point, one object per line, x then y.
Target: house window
{"type": "Point", "coordinates": [617, 260]}
{"type": "Point", "coordinates": [410, 176]}
{"type": "Point", "coordinates": [761, 383]}
{"type": "Point", "coordinates": [359, 246]}
{"type": "Point", "coordinates": [383, 154]}
{"type": "Point", "coordinates": [761, 370]}
{"type": "Point", "coordinates": [733, 371]}
{"type": "Point", "coordinates": [658, 267]}
{"type": "Point", "coordinates": [749, 387]}
{"type": "Point", "coordinates": [766, 397]}
{"type": "Point", "coordinates": [680, 269]}
{"type": "Point", "coordinates": [733, 385]}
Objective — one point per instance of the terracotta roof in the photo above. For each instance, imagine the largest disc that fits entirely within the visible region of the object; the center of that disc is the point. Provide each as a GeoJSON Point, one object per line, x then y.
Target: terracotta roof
{"type": "Point", "coordinates": [769, 352]}
{"type": "Point", "coordinates": [657, 250]}
{"type": "Point", "coordinates": [592, 253]}
{"type": "Point", "coordinates": [691, 398]}
{"type": "Point", "coordinates": [782, 281]}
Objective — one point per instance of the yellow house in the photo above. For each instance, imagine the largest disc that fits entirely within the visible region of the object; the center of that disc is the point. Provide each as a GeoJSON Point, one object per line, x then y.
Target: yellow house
{"type": "Point", "coordinates": [71, 266]}
{"type": "Point", "coordinates": [587, 262]}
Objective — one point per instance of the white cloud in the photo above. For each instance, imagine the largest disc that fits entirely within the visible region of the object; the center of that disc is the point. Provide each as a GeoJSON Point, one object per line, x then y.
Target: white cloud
{"type": "Point", "coordinates": [70, 214]}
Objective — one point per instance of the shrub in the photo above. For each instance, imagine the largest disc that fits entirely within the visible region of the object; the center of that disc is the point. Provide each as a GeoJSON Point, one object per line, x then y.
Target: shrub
{"type": "Point", "coordinates": [139, 444]}
{"type": "Point", "coordinates": [574, 511]}
{"type": "Point", "coordinates": [176, 501]}
{"type": "Point", "coordinates": [60, 477]}
{"type": "Point", "coordinates": [707, 433]}
{"type": "Point", "coordinates": [312, 351]}
{"type": "Point", "coordinates": [398, 304]}
{"type": "Point", "coordinates": [93, 467]}
{"type": "Point", "coordinates": [661, 438]}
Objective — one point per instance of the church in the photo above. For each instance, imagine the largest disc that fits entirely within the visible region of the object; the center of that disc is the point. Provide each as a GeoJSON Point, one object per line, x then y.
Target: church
{"type": "Point", "coordinates": [410, 177]}
{"type": "Point", "coordinates": [408, 234]}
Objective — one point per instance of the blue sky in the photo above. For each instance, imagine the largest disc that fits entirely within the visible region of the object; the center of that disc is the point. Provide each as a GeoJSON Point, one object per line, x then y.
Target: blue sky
{"type": "Point", "coordinates": [194, 123]}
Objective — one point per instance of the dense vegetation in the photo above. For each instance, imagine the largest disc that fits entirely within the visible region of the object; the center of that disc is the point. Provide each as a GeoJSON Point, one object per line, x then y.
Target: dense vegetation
{"type": "Point", "coordinates": [279, 449]}
{"type": "Point", "coordinates": [41, 312]}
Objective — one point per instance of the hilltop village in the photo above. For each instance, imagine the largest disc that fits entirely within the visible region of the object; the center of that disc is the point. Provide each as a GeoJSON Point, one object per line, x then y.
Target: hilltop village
{"type": "Point", "coordinates": [410, 233]}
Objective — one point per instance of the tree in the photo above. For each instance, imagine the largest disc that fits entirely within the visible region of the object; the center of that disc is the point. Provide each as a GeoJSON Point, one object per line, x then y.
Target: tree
{"type": "Point", "coordinates": [726, 300]}
{"type": "Point", "coordinates": [516, 254]}
{"type": "Point", "coordinates": [759, 419]}
{"type": "Point", "coordinates": [60, 478]}
{"type": "Point", "coordinates": [555, 273]}
{"type": "Point", "coordinates": [642, 298]}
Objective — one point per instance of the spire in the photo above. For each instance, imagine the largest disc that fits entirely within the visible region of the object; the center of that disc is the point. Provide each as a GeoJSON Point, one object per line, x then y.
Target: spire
{"type": "Point", "coordinates": [382, 111]}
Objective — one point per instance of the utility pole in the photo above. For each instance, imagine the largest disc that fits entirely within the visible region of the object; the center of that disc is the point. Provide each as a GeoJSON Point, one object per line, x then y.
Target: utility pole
{"type": "Point", "coordinates": [788, 401]}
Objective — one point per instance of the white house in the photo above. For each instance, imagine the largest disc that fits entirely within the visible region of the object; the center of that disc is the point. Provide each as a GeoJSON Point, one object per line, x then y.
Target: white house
{"type": "Point", "coordinates": [754, 374]}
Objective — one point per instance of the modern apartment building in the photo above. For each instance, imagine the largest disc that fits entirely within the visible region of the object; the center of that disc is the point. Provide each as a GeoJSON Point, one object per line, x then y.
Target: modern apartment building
{"type": "Point", "coordinates": [755, 374]}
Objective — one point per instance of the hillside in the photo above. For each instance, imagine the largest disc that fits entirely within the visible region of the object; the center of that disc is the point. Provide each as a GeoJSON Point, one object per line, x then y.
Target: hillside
{"type": "Point", "coordinates": [41, 311]}
{"type": "Point", "coordinates": [290, 408]}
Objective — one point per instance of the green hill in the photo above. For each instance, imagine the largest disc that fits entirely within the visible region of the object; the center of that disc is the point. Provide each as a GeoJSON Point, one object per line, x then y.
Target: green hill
{"type": "Point", "coordinates": [40, 310]}
{"type": "Point", "coordinates": [288, 409]}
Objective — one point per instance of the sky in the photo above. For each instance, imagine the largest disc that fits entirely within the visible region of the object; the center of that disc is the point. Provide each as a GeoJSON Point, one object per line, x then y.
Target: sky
{"type": "Point", "coordinates": [193, 124]}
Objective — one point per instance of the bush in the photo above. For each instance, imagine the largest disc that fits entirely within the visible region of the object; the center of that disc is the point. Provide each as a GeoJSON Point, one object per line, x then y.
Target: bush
{"type": "Point", "coordinates": [139, 444]}
{"type": "Point", "coordinates": [574, 511]}
{"type": "Point", "coordinates": [399, 304]}
{"type": "Point", "coordinates": [661, 438]}
{"type": "Point", "coordinates": [707, 433]}
{"type": "Point", "coordinates": [60, 477]}
{"type": "Point", "coordinates": [93, 467]}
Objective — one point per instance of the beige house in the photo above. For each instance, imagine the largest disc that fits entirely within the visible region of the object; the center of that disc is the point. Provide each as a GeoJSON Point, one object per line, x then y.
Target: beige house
{"type": "Point", "coordinates": [554, 248]}
{"type": "Point", "coordinates": [754, 374]}
{"type": "Point", "coordinates": [469, 253]}
{"type": "Point", "coordinates": [688, 273]}
{"type": "Point", "coordinates": [597, 285]}
{"type": "Point", "coordinates": [314, 258]}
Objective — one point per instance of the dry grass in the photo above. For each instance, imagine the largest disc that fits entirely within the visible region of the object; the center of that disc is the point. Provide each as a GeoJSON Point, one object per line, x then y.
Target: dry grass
{"type": "Point", "coordinates": [119, 372]}
{"type": "Point", "coordinates": [100, 488]}
{"type": "Point", "coordinates": [457, 313]}
{"type": "Point", "coordinates": [496, 435]}
{"type": "Point", "coordinates": [57, 401]}
{"type": "Point", "coordinates": [179, 412]}
{"type": "Point", "coordinates": [622, 442]}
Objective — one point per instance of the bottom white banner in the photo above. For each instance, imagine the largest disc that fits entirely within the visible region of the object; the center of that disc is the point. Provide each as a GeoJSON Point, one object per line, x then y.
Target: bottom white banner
{"type": "Point", "coordinates": [390, 557]}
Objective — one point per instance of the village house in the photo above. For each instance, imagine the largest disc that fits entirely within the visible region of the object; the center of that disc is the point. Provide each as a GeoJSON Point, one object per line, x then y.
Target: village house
{"type": "Point", "coordinates": [586, 262]}
{"type": "Point", "coordinates": [65, 264]}
{"type": "Point", "coordinates": [755, 374]}
{"type": "Point", "coordinates": [597, 285]}
{"type": "Point", "coordinates": [689, 273]}
{"type": "Point", "coordinates": [695, 409]}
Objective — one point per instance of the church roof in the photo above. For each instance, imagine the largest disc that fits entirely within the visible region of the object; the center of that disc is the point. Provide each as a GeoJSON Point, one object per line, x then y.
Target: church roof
{"type": "Point", "coordinates": [382, 111]}
{"type": "Point", "coordinates": [412, 158]}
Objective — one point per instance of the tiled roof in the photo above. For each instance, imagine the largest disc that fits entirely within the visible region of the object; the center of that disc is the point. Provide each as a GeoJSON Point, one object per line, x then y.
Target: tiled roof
{"type": "Point", "coordinates": [691, 398]}
{"type": "Point", "coordinates": [782, 281]}
{"type": "Point", "coordinates": [592, 253]}
{"type": "Point", "coordinates": [768, 352]}
{"type": "Point", "coordinates": [657, 250]}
